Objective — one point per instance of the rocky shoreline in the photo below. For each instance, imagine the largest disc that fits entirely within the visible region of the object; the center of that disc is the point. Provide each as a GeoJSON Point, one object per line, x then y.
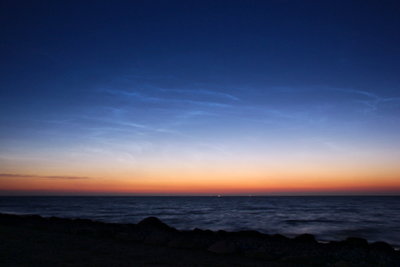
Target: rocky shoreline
{"type": "Point", "coordinates": [139, 244]}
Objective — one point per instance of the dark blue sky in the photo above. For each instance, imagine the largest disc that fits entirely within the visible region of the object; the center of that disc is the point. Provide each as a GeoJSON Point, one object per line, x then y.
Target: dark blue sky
{"type": "Point", "coordinates": [198, 80]}
{"type": "Point", "coordinates": [337, 43]}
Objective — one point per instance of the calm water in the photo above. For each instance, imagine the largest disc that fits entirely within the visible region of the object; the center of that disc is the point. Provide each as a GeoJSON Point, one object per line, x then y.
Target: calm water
{"type": "Point", "coordinates": [328, 218]}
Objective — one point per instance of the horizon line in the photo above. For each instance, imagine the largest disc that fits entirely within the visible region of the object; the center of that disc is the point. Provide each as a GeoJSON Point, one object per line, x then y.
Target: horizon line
{"type": "Point", "coordinates": [213, 195]}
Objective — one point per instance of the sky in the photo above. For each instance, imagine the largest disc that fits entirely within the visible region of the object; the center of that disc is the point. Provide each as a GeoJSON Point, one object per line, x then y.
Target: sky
{"type": "Point", "coordinates": [199, 97]}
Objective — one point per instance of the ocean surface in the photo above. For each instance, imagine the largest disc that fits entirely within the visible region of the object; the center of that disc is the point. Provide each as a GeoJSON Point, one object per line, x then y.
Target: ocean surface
{"type": "Point", "coordinates": [376, 218]}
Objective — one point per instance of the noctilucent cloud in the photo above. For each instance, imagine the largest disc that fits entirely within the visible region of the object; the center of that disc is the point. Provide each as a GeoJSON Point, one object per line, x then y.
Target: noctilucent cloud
{"type": "Point", "coordinates": [200, 97]}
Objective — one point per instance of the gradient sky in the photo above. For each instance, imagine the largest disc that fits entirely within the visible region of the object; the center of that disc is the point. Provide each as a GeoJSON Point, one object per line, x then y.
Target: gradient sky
{"type": "Point", "coordinates": [199, 97]}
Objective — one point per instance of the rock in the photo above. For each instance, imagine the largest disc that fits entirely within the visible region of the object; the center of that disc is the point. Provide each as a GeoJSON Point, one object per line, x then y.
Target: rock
{"type": "Point", "coordinates": [124, 236]}
{"type": "Point", "coordinates": [150, 221]}
{"type": "Point", "coordinates": [181, 242]}
{"type": "Point", "coordinates": [193, 239]}
{"type": "Point", "coordinates": [83, 221]}
{"type": "Point", "coordinates": [157, 238]}
{"type": "Point", "coordinates": [248, 243]}
{"type": "Point", "coordinates": [257, 254]}
{"type": "Point", "coordinates": [222, 233]}
{"type": "Point", "coordinates": [305, 238]}
{"type": "Point", "coordinates": [84, 231]}
{"type": "Point", "coordinates": [302, 250]}
{"type": "Point", "coordinates": [279, 238]}
{"type": "Point", "coordinates": [382, 246]}
{"type": "Point", "coordinates": [356, 242]}
{"type": "Point", "coordinates": [222, 247]}
{"type": "Point", "coordinates": [249, 233]}
{"type": "Point", "coordinates": [153, 222]}
{"type": "Point", "coordinates": [354, 250]}
{"type": "Point", "coordinates": [341, 264]}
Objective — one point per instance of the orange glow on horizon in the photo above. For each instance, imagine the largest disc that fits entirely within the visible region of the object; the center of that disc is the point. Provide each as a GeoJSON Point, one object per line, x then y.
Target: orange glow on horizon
{"type": "Point", "coordinates": [179, 185]}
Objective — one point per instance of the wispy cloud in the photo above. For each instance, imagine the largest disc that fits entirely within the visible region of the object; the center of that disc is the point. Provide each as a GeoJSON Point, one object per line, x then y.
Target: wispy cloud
{"type": "Point", "coordinates": [359, 92]}
{"type": "Point", "coordinates": [17, 175]}
{"type": "Point", "coordinates": [110, 129]}
{"type": "Point", "coordinates": [371, 100]}
{"type": "Point", "coordinates": [183, 87]}
{"type": "Point", "coordinates": [195, 113]}
{"type": "Point", "coordinates": [152, 99]}
{"type": "Point", "coordinates": [202, 92]}
{"type": "Point", "coordinates": [137, 95]}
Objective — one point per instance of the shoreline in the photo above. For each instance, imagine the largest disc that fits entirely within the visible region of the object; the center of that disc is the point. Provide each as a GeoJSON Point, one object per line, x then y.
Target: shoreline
{"type": "Point", "coordinates": [151, 239]}
{"type": "Point", "coordinates": [290, 236]}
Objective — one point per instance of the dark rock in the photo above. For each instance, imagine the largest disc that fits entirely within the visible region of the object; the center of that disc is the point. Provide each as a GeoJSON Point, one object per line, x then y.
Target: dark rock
{"type": "Point", "coordinates": [106, 232]}
{"type": "Point", "coordinates": [208, 231]}
{"type": "Point", "coordinates": [136, 236]}
{"type": "Point", "coordinates": [53, 219]}
{"type": "Point", "coordinates": [278, 237]}
{"type": "Point", "coordinates": [222, 233]}
{"type": "Point", "coordinates": [124, 236]}
{"type": "Point", "coordinates": [382, 246]}
{"type": "Point", "coordinates": [302, 250]}
{"type": "Point", "coordinates": [84, 231]}
{"type": "Point", "coordinates": [305, 238]}
{"type": "Point", "coordinates": [249, 234]}
{"type": "Point", "coordinates": [249, 243]}
{"type": "Point", "coordinates": [257, 253]}
{"type": "Point", "coordinates": [354, 250]}
{"type": "Point", "coordinates": [157, 238]}
{"type": "Point", "coordinates": [342, 264]}
{"type": "Point", "coordinates": [154, 222]}
{"type": "Point", "coordinates": [83, 221]}
{"type": "Point", "coordinates": [181, 242]}
{"type": "Point", "coordinates": [222, 247]}
{"type": "Point", "coordinates": [261, 253]}
{"type": "Point", "coordinates": [356, 242]}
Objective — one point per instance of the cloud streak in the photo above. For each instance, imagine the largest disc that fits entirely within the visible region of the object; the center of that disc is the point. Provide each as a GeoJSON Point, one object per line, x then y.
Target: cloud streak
{"type": "Point", "coordinates": [151, 99]}
{"type": "Point", "coordinates": [202, 92]}
{"type": "Point", "coordinates": [373, 101]}
{"type": "Point", "coordinates": [17, 175]}
{"type": "Point", "coordinates": [150, 81]}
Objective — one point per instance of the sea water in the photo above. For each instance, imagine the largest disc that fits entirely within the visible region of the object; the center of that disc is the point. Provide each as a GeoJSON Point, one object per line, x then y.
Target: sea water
{"type": "Point", "coordinates": [376, 218]}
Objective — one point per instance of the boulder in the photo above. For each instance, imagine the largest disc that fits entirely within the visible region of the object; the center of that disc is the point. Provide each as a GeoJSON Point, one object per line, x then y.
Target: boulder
{"type": "Point", "coordinates": [305, 238]}
{"type": "Point", "coordinates": [157, 238]}
{"type": "Point", "coordinates": [222, 247]}
{"type": "Point", "coordinates": [382, 246]}
{"type": "Point", "coordinates": [356, 242]}
{"type": "Point", "coordinates": [153, 222]}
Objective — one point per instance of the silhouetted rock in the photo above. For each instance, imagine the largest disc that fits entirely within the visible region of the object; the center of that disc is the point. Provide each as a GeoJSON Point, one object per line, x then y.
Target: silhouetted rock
{"type": "Point", "coordinates": [158, 238]}
{"type": "Point", "coordinates": [382, 246]}
{"type": "Point", "coordinates": [249, 233]}
{"type": "Point", "coordinates": [154, 222]}
{"type": "Point", "coordinates": [342, 264]}
{"type": "Point", "coordinates": [302, 250]}
{"type": "Point", "coordinates": [181, 242]}
{"type": "Point", "coordinates": [193, 239]}
{"type": "Point", "coordinates": [356, 242]}
{"type": "Point", "coordinates": [278, 237]}
{"type": "Point", "coordinates": [222, 247]}
{"type": "Point", "coordinates": [305, 238]}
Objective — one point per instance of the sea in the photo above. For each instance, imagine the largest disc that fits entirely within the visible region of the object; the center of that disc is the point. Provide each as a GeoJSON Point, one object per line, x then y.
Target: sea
{"type": "Point", "coordinates": [375, 218]}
